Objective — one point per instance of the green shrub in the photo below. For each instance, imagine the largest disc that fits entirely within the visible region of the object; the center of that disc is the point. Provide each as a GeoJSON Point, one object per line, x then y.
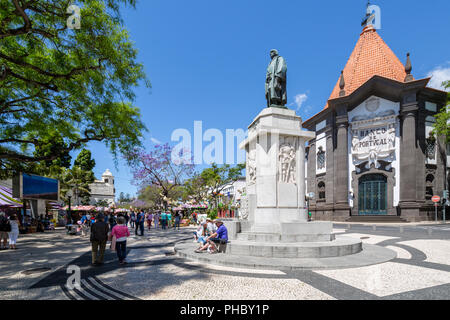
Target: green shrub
{"type": "Point", "coordinates": [212, 214]}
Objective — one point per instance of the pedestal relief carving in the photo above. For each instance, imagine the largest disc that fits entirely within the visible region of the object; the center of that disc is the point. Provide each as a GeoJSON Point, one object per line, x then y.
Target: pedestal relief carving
{"type": "Point", "coordinates": [286, 157]}
{"type": "Point", "coordinates": [251, 166]}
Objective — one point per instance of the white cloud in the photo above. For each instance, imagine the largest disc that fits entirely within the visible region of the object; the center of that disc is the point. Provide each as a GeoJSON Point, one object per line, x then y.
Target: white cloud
{"type": "Point", "coordinates": [439, 75]}
{"type": "Point", "coordinates": [300, 99]}
{"type": "Point", "coordinates": [155, 141]}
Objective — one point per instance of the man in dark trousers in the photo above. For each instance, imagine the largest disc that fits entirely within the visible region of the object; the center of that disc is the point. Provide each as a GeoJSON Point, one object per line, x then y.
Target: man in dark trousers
{"type": "Point", "coordinates": [99, 237]}
{"type": "Point", "coordinates": [141, 218]}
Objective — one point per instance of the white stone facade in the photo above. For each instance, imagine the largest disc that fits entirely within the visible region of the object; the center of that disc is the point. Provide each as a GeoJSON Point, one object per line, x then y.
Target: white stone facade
{"type": "Point", "coordinates": [103, 189]}
{"type": "Point", "coordinates": [378, 115]}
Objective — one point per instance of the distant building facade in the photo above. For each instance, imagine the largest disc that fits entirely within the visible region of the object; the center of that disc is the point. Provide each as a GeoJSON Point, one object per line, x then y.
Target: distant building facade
{"type": "Point", "coordinates": [103, 189]}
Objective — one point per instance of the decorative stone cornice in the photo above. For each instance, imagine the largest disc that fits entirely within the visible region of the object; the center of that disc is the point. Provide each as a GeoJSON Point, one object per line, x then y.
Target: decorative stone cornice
{"type": "Point", "coordinates": [342, 121]}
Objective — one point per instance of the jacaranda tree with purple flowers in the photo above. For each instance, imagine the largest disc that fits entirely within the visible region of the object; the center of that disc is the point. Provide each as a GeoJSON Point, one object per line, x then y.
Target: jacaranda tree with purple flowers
{"type": "Point", "coordinates": [162, 167]}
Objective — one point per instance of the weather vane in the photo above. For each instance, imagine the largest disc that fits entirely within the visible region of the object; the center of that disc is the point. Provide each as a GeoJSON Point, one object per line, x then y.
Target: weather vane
{"type": "Point", "coordinates": [369, 16]}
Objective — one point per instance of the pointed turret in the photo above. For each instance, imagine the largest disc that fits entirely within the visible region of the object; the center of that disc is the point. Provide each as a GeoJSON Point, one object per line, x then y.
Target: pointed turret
{"type": "Point", "coordinates": [342, 85]}
{"type": "Point", "coordinates": [370, 57]}
{"type": "Point", "coordinates": [408, 69]}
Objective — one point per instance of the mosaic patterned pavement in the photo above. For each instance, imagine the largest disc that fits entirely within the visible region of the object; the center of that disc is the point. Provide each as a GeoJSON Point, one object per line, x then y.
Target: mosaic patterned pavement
{"type": "Point", "coordinates": [38, 270]}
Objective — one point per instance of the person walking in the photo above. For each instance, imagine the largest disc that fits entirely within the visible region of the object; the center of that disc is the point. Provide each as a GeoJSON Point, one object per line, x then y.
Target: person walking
{"type": "Point", "coordinates": [149, 220]}
{"type": "Point", "coordinates": [99, 236]}
{"type": "Point", "coordinates": [140, 220]}
{"type": "Point", "coordinates": [163, 220]}
{"type": "Point", "coordinates": [84, 224]}
{"type": "Point", "coordinates": [177, 220]}
{"type": "Point", "coordinates": [127, 218]}
{"type": "Point", "coordinates": [120, 232]}
{"type": "Point", "coordinates": [156, 220]}
{"type": "Point", "coordinates": [169, 219]}
{"type": "Point", "coordinates": [132, 218]}
{"type": "Point", "coordinates": [5, 227]}
{"type": "Point", "coordinates": [136, 224]}
{"type": "Point", "coordinates": [14, 233]}
{"type": "Point", "coordinates": [112, 221]}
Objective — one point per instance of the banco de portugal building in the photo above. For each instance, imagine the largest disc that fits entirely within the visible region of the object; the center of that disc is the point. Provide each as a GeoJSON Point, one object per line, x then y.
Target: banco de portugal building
{"type": "Point", "coordinates": [373, 155]}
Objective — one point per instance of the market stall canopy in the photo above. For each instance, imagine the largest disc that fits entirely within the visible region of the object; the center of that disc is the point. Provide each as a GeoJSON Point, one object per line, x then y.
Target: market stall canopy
{"type": "Point", "coordinates": [54, 205]}
{"type": "Point", "coordinates": [7, 200]}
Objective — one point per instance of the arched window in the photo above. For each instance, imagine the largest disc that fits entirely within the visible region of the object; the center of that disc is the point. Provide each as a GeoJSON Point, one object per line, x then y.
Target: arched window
{"type": "Point", "coordinates": [429, 183]}
{"type": "Point", "coordinates": [430, 149]}
{"type": "Point", "coordinates": [321, 189]}
{"type": "Point", "coordinates": [321, 159]}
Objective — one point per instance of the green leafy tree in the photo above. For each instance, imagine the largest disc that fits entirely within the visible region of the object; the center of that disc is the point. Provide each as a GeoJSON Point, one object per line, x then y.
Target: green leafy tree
{"type": "Point", "coordinates": [102, 203]}
{"type": "Point", "coordinates": [76, 179]}
{"type": "Point", "coordinates": [195, 189]}
{"type": "Point", "coordinates": [155, 195]}
{"type": "Point", "coordinates": [218, 178]}
{"type": "Point", "coordinates": [85, 162]}
{"type": "Point", "coordinates": [442, 124]}
{"type": "Point", "coordinates": [121, 198]}
{"type": "Point", "coordinates": [61, 88]}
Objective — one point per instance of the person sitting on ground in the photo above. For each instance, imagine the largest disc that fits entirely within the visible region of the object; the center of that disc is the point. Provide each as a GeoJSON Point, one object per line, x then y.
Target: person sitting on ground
{"type": "Point", "coordinates": [211, 226]}
{"type": "Point", "coordinates": [200, 232]}
{"type": "Point", "coordinates": [121, 232]}
{"type": "Point", "coordinates": [203, 235]}
{"type": "Point", "coordinates": [219, 237]}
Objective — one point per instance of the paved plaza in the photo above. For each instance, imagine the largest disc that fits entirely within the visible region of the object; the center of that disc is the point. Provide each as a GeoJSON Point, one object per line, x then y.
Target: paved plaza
{"type": "Point", "coordinates": [38, 270]}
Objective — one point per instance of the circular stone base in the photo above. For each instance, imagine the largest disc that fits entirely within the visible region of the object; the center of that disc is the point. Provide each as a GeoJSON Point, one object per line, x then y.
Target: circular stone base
{"type": "Point", "coordinates": [323, 249]}
{"type": "Point", "coordinates": [370, 255]}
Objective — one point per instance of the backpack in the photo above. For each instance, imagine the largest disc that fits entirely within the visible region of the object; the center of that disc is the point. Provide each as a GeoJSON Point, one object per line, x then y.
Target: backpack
{"type": "Point", "coordinates": [5, 226]}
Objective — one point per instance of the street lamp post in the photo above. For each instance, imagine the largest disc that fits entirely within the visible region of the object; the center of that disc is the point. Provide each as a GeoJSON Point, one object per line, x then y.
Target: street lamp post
{"type": "Point", "coordinates": [69, 214]}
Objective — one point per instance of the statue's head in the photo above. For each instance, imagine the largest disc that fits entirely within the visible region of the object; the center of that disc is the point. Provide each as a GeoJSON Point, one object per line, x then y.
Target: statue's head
{"type": "Point", "coordinates": [273, 53]}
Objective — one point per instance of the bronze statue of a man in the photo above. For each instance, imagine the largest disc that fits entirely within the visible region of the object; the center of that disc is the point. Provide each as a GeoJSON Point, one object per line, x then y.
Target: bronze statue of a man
{"type": "Point", "coordinates": [276, 81]}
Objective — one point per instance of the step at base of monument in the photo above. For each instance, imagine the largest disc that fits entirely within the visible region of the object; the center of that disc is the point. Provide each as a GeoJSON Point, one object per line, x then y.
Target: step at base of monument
{"type": "Point", "coordinates": [325, 249]}
{"type": "Point", "coordinates": [385, 219]}
{"type": "Point", "coordinates": [370, 255]}
{"type": "Point", "coordinates": [278, 238]}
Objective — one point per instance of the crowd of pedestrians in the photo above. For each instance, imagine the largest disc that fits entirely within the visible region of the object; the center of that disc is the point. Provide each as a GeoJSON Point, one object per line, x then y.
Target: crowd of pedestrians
{"type": "Point", "coordinates": [115, 228]}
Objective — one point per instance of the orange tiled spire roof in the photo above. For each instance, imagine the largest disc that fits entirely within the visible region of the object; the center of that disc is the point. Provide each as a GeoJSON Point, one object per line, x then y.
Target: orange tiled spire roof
{"type": "Point", "coordinates": [371, 57]}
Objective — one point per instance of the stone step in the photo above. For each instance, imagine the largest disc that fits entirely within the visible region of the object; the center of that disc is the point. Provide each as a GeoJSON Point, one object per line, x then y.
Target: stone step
{"type": "Point", "coordinates": [376, 218]}
{"type": "Point", "coordinates": [245, 225]}
{"type": "Point", "coordinates": [325, 249]}
{"type": "Point", "coordinates": [370, 255]}
{"type": "Point", "coordinates": [278, 238]}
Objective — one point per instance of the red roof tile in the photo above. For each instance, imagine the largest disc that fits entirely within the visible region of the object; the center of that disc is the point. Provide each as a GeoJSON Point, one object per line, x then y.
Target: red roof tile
{"type": "Point", "coordinates": [371, 57]}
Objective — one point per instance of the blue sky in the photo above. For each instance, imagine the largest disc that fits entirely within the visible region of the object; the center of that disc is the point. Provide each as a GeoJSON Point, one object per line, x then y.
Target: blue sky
{"type": "Point", "coordinates": [207, 59]}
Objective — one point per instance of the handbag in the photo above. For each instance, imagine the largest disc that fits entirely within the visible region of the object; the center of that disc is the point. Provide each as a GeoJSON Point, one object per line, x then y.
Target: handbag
{"type": "Point", "coordinates": [113, 243]}
{"type": "Point", "coordinates": [8, 227]}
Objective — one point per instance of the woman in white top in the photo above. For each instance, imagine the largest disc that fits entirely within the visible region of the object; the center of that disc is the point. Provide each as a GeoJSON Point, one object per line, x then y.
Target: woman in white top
{"type": "Point", "coordinates": [14, 233]}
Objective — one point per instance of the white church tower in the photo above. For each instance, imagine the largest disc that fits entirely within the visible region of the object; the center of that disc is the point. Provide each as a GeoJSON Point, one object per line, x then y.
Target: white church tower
{"type": "Point", "coordinates": [103, 189]}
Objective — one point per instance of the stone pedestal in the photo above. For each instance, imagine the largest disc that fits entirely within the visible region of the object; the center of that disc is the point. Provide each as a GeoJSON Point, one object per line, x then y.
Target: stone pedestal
{"type": "Point", "coordinates": [276, 179]}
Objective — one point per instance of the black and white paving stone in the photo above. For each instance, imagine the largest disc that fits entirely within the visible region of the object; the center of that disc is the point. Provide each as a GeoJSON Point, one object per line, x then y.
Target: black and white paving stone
{"type": "Point", "coordinates": [421, 270]}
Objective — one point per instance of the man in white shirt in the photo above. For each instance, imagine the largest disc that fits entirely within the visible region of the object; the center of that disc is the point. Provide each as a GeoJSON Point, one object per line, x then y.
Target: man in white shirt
{"type": "Point", "coordinates": [211, 226]}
